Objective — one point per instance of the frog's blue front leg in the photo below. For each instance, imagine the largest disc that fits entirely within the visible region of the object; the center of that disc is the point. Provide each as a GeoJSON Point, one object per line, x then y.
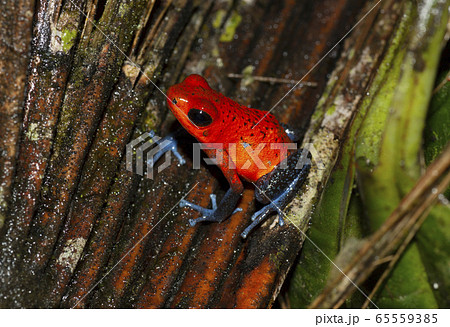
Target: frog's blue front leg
{"type": "Point", "coordinates": [167, 143]}
{"type": "Point", "coordinates": [227, 205]}
{"type": "Point", "coordinates": [206, 213]}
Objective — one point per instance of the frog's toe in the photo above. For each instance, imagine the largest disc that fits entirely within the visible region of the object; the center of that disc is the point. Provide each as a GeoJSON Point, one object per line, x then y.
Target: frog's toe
{"type": "Point", "coordinates": [280, 220]}
{"type": "Point", "coordinates": [177, 154]}
{"type": "Point", "coordinates": [261, 214]}
{"type": "Point", "coordinates": [237, 210]}
{"type": "Point", "coordinates": [249, 228]}
{"type": "Point", "coordinates": [257, 218]}
{"type": "Point", "coordinates": [212, 196]}
{"type": "Point", "coordinates": [193, 222]}
{"type": "Point", "coordinates": [204, 211]}
{"type": "Point", "coordinates": [281, 214]}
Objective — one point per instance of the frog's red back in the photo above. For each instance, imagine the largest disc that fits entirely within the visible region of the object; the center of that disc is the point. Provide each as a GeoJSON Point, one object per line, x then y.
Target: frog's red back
{"type": "Point", "coordinates": [256, 146]}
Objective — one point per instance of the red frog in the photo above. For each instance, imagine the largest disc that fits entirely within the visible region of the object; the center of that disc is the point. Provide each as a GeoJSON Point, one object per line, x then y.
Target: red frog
{"type": "Point", "coordinates": [248, 144]}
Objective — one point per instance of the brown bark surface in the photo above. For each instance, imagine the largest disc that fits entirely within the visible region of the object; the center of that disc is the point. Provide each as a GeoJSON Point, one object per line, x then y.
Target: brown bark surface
{"type": "Point", "coordinates": [80, 229]}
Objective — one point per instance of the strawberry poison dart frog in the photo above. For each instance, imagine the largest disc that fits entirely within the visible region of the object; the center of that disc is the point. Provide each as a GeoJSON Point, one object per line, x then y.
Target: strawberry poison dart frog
{"type": "Point", "coordinates": [247, 144]}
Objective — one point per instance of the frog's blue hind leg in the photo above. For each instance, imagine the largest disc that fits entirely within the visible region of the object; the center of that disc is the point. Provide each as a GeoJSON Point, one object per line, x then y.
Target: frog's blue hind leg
{"type": "Point", "coordinates": [277, 201]}
{"type": "Point", "coordinates": [167, 143]}
{"type": "Point", "coordinates": [276, 205]}
{"type": "Point", "coordinates": [261, 215]}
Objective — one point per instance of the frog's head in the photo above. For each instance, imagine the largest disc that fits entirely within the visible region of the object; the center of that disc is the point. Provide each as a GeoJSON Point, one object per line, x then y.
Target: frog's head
{"type": "Point", "coordinates": [192, 103]}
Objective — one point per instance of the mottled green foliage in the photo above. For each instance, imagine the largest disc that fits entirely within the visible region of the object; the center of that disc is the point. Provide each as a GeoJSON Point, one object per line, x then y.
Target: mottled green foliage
{"type": "Point", "coordinates": [385, 144]}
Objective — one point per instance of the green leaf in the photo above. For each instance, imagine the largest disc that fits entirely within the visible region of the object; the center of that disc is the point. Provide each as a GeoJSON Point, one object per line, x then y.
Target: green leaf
{"type": "Point", "coordinates": [433, 240]}
{"type": "Point", "coordinates": [387, 174]}
{"type": "Point", "coordinates": [407, 287]}
{"type": "Point", "coordinates": [437, 131]}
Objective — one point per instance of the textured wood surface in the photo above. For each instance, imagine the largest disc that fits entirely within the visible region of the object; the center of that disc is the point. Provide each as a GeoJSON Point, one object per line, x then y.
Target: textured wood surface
{"type": "Point", "coordinates": [82, 231]}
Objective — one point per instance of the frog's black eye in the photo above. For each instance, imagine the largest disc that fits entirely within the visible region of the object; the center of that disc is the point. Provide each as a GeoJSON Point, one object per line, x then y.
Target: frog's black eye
{"type": "Point", "coordinates": [174, 101]}
{"type": "Point", "coordinates": [199, 117]}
